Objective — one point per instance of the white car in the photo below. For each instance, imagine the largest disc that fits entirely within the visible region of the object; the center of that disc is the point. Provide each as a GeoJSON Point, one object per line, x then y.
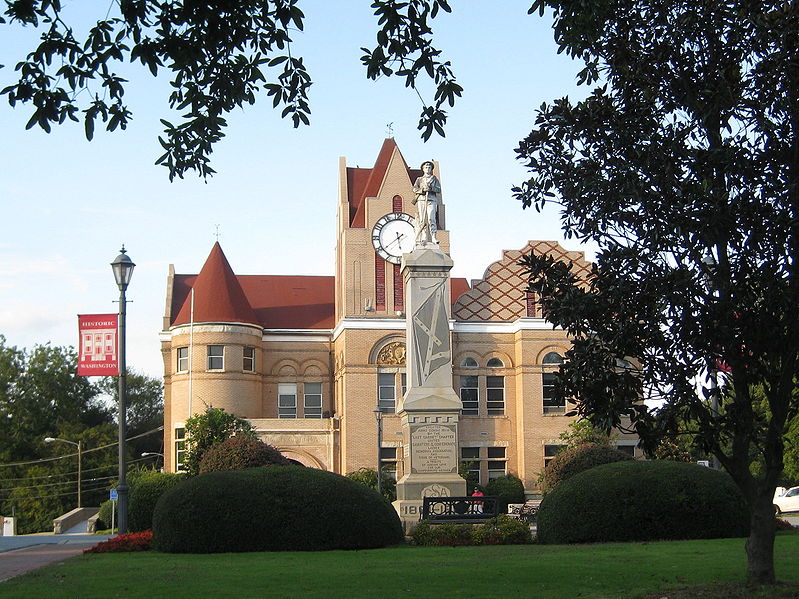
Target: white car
{"type": "Point", "coordinates": [788, 501]}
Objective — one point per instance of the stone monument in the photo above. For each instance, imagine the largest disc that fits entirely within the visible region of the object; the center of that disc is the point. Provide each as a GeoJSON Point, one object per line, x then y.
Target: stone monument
{"type": "Point", "coordinates": [430, 407]}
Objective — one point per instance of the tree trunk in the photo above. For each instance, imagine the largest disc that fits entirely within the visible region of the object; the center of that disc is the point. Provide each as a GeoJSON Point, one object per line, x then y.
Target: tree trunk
{"type": "Point", "coordinates": [760, 544]}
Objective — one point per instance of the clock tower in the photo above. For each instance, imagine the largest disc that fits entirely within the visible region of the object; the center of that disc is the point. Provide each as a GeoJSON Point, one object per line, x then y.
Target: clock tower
{"type": "Point", "coordinates": [374, 228]}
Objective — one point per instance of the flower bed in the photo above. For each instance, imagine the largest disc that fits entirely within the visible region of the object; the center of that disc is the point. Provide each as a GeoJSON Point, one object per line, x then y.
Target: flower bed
{"type": "Point", "coordinates": [132, 541]}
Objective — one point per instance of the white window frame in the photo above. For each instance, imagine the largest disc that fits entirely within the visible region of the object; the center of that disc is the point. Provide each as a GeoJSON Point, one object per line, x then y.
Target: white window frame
{"type": "Point", "coordinates": [497, 462]}
{"type": "Point", "coordinates": [248, 361]}
{"type": "Point", "coordinates": [211, 358]}
{"type": "Point", "coordinates": [180, 448]}
{"type": "Point", "coordinates": [387, 393]}
{"type": "Point", "coordinates": [495, 395]}
{"type": "Point", "coordinates": [183, 359]}
{"type": "Point", "coordinates": [309, 392]}
{"type": "Point", "coordinates": [466, 388]}
{"type": "Point", "coordinates": [287, 400]}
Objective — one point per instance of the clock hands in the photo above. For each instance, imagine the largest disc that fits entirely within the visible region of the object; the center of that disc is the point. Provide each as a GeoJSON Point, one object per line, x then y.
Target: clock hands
{"type": "Point", "coordinates": [398, 240]}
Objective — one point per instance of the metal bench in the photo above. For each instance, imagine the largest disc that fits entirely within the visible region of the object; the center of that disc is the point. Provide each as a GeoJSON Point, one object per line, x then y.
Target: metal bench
{"type": "Point", "coordinates": [526, 512]}
{"type": "Point", "coordinates": [459, 510]}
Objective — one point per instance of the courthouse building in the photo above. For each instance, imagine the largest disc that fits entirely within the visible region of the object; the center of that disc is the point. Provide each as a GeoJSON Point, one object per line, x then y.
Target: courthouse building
{"type": "Point", "coordinates": [309, 359]}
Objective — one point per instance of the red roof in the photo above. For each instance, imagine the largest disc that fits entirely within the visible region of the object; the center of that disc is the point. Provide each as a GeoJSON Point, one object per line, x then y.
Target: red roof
{"type": "Point", "coordinates": [218, 296]}
{"type": "Point", "coordinates": [270, 301]}
{"type": "Point", "coordinates": [365, 183]}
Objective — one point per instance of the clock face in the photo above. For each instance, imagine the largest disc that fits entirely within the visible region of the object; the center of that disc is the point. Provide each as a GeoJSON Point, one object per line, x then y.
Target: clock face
{"type": "Point", "coordinates": [394, 235]}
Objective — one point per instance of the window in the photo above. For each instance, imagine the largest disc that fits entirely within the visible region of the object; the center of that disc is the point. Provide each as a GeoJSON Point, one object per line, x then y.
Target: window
{"type": "Point", "coordinates": [552, 405]}
{"type": "Point", "coordinates": [495, 395]}
{"type": "Point", "coordinates": [469, 363]}
{"type": "Point", "coordinates": [550, 451]}
{"type": "Point", "coordinates": [180, 448]}
{"type": "Point", "coordinates": [248, 364]}
{"type": "Point", "coordinates": [628, 449]}
{"type": "Point", "coordinates": [313, 400]}
{"type": "Point", "coordinates": [470, 459]}
{"type": "Point", "coordinates": [404, 383]}
{"type": "Point", "coordinates": [386, 392]}
{"type": "Point", "coordinates": [553, 358]}
{"type": "Point", "coordinates": [497, 466]}
{"type": "Point", "coordinates": [469, 395]}
{"type": "Point", "coordinates": [216, 357]}
{"type": "Point", "coordinates": [495, 363]}
{"type": "Point", "coordinates": [287, 400]}
{"type": "Point", "coordinates": [183, 359]}
{"type": "Point", "coordinates": [388, 461]}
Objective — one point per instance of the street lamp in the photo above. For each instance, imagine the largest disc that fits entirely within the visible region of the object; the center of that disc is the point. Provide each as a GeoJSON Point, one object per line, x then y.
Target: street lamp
{"type": "Point", "coordinates": [51, 440]}
{"type": "Point", "coordinates": [123, 271]}
{"type": "Point", "coordinates": [379, 418]}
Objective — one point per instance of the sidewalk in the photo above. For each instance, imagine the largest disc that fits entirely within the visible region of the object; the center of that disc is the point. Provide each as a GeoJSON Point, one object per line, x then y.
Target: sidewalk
{"type": "Point", "coordinates": [23, 553]}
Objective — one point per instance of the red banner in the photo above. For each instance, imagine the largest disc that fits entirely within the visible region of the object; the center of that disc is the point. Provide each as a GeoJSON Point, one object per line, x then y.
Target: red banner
{"type": "Point", "coordinates": [97, 353]}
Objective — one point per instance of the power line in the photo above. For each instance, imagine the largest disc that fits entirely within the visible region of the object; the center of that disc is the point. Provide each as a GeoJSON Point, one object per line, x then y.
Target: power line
{"type": "Point", "coordinates": [69, 455]}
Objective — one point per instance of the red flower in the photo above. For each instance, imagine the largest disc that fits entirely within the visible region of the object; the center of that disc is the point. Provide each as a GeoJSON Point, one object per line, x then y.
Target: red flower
{"type": "Point", "coordinates": [132, 541]}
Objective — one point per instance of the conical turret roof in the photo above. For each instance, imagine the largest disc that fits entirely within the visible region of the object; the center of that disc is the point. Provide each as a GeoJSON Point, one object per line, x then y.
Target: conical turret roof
{"type": "Point", "coordinates": [218, 296]}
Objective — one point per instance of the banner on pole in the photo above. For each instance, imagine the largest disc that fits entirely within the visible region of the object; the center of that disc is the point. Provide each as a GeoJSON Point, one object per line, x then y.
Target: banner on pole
{"type": "Point", "coordinates": [97, 354]}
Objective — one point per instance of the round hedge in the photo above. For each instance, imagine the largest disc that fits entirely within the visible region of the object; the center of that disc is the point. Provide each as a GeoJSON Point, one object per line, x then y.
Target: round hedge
{"type": "Point", "coordinates": [578, 459]}
{"type": "Point", "coordinates": [239, 452]}
{"type": "Point", "coordinates": [272, 509]}
{"type": "Point", "coordinates": [509, 489]}
{"type": "Point", "coordinates": [144, 493]}
{"type": "Point", "coordinates": [642, 501]}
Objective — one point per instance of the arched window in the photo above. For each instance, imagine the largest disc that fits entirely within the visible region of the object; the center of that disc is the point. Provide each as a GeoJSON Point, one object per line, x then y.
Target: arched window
{"type": "Point", "coordinates": [495, 363]}
{"type": "Point", "coordinates": [469, 363]}
{"type": "Point", "coordinates": [551, 404]}
{"type": "Point", "coordinates": [553, 358]}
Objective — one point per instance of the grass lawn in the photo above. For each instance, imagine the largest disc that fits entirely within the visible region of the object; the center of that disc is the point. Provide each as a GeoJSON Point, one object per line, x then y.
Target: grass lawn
{"type": "Point", "coordinates": [625, 570]}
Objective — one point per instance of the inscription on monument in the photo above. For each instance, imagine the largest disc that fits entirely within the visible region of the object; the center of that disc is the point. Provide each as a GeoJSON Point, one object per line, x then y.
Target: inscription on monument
{"type": "Point", "coordinates": [434, 448]}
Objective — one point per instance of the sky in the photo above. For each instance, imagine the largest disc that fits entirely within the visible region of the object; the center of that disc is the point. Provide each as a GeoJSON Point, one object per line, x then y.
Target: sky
{"type": "Point", "coordinates": [68, 205]}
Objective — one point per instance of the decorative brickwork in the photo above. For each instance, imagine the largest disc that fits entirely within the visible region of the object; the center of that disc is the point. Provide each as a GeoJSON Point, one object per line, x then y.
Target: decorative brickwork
{"type": "Point", "coordinates": [501, 295]}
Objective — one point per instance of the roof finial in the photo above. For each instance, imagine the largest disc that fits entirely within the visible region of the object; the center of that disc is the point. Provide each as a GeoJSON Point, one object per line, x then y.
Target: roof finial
{"type": "Point", "coordinates": [217, 234]}
{"type": "Point", "coordinates": [390, 130]}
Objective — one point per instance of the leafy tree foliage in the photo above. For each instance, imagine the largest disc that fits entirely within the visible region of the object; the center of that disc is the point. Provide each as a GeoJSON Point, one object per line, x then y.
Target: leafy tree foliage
{"type": "Point", "coordinates": [368, 477]}
{"type": "Point", "coordinates": [240, 452]}
{"type": "Point", "coordinates": [212, 426]}
{"type": "Point", "coordinates": [41, 396]}
{"type": "Point", "coordinates": [145, 410]}
{"type": "Point", "coordinates": [220, 55]}
{"type": "Point", "coordinates": [683, 167]}
{"type": "Point", "coordinates": [580, 432]}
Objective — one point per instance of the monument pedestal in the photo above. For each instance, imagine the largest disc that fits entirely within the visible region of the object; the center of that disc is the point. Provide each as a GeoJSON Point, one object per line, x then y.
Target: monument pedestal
{"type": "Point", "coordinates": [430, 408]}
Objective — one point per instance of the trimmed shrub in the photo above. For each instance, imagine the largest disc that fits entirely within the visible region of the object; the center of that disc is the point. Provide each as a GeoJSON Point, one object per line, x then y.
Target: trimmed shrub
{"type": "Point", "coordinates": [104, 516]}
{"type": "Point", "coordinates": [643, 501]}
{"type": "Point", "coordinates": [503, 530]}
{"type": "Point", "coordinates": [272, 509]}
{"type": "Point", "coordinates": [239, 452]}
{"type": "Point", "coordinates": [578, 459]}
{"type": "Point", "coordinates": [509, 489]}
{"type": "Point", "coordinates": [145, 490]}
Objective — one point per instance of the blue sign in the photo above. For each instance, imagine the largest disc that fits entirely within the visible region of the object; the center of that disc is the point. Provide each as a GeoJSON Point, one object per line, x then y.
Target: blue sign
{"type": "Point", "coordinates": [114, 495]}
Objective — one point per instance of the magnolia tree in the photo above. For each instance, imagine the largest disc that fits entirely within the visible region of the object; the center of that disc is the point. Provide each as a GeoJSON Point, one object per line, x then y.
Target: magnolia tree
{"type": "Point", "coordinates": [683, 167]}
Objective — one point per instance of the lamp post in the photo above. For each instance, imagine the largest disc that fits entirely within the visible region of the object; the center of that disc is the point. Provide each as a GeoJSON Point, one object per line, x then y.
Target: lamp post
{"type": "Point", "coordinates": [76, 444]}
{"type": "Point", "coordinates": [379, 418]}
{"type": "Point", "coordinates": [123, 271]}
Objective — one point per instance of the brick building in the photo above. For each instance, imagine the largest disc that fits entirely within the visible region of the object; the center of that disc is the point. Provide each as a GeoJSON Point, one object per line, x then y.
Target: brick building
{"type": "Point", "coordinates": [308, 359]}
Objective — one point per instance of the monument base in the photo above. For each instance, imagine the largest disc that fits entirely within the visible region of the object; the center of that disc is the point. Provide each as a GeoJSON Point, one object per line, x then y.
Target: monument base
{"type": "Point", "coordinates": [412, 488]}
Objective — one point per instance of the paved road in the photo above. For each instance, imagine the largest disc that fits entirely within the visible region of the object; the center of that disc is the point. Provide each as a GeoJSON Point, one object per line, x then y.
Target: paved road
{"type": "Point", "coordinates": [23, 553]}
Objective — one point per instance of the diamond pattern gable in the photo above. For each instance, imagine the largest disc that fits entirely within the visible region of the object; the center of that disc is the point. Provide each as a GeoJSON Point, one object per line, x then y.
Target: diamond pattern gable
{"type": "Point", "coordinates": [501, 295]}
